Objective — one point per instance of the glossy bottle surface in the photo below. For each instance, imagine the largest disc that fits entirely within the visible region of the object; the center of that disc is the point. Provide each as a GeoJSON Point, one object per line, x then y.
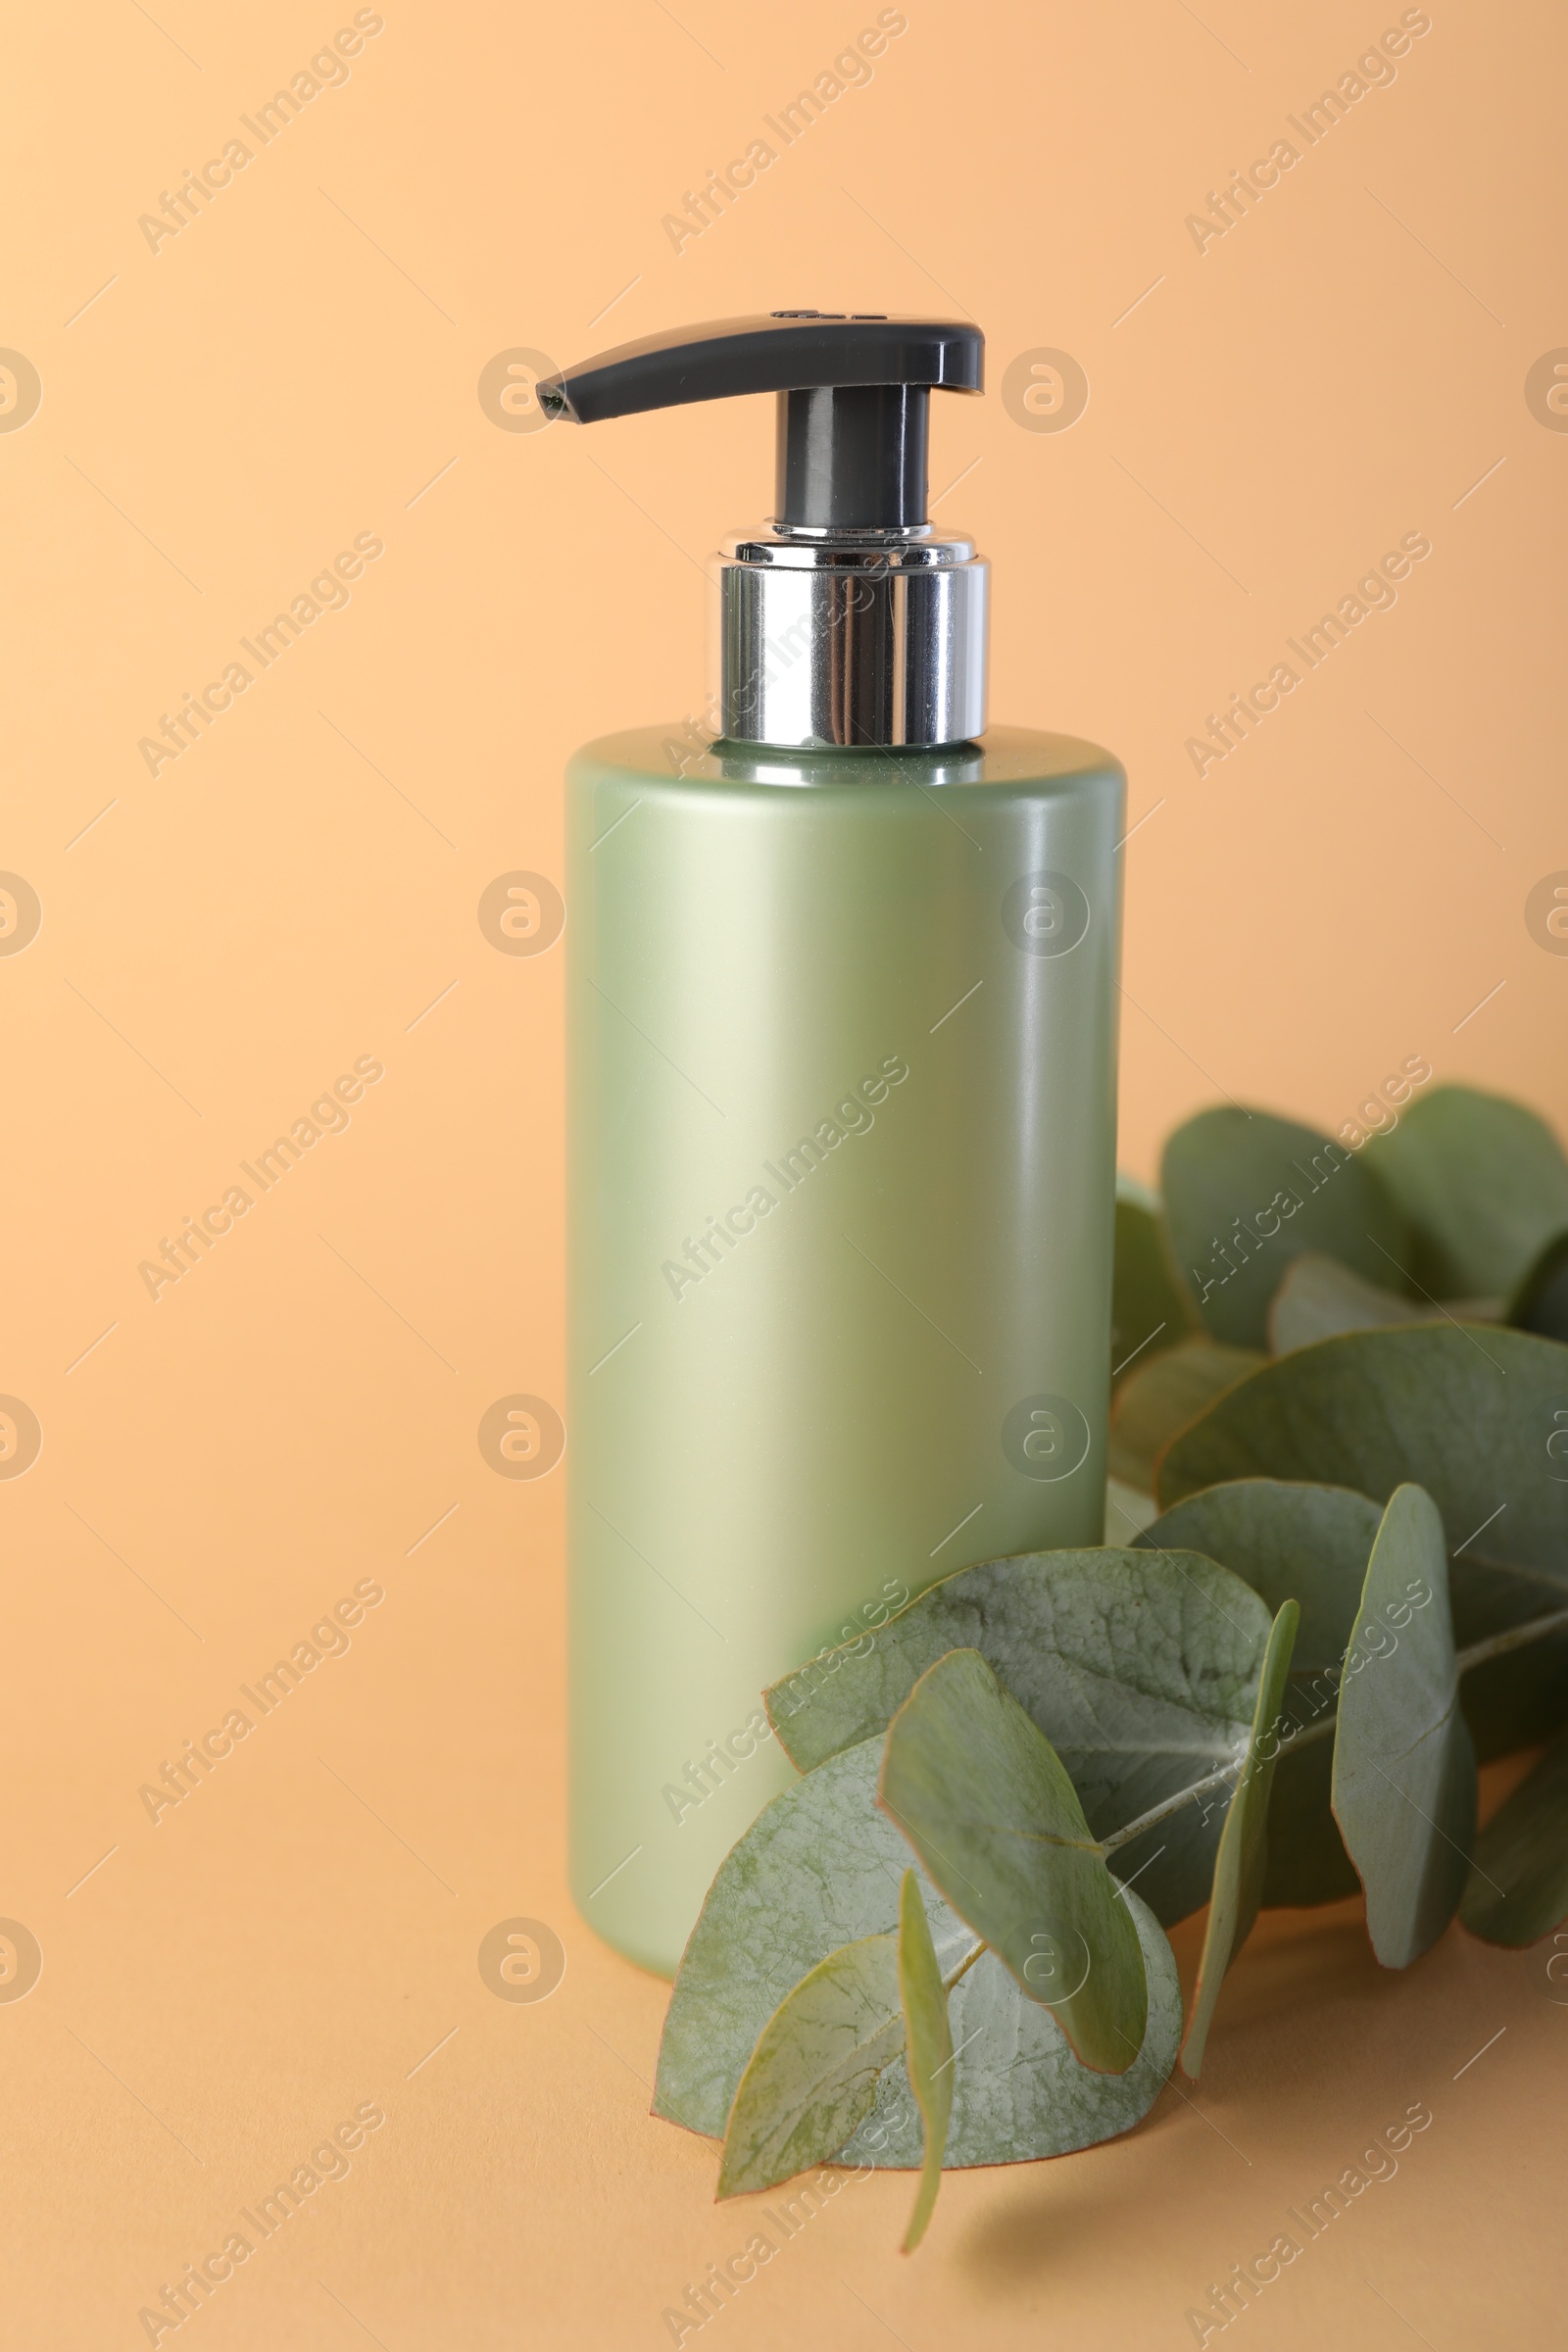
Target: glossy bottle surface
{"type": "Point", "coordinates": [841, 1138]}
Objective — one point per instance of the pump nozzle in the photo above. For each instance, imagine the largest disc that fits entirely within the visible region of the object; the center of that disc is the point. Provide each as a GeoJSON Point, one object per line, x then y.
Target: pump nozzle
{"type": "Point", "coordinates": [854, 394]}
{"type": "Point", "coordinates": [853, 624]}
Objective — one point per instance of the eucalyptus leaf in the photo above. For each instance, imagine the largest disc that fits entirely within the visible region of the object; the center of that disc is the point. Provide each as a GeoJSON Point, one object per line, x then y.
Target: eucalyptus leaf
{"type": "Point", "coordinates": [1481, 1420]}
{"type": "Point", "coordinates": [1484, 1183]}
{"type": "Point", "coordinates": [1319, 1298]}
{"type": "Point", "coordinates": [1019, 2091]}
{"type": "Point", "coordinates": [1404, 1770]}
{"type": "Point", "coordinates": [1138, 1666]}
{"type": "Point", "coordinates": [1026, 1722]}
{"type": "Point", "coordinates": [1150, 1309]}
{"type": "Point", "coordinates": [927, 2048]}
{"type": "Point", "coordinates": [1309, 1543]}
{"type": "Point", "coordinates": [1539, 1302]}
{"type": "Point", "coordinates": [1239, 1865]}
{"type": "Point", "coordinates": [821, 1867]}
{"type": "Point", "coordinates": [818, 1868]}
{"type": "Point", "coordinates": [1289, 1542]}
{"type": "Point", "coordinates": [988, 1806]}
{"type": "Point", "coordinates": [1245, 1193]}
{"type": "Point", "coordinates": [812, 2079]}
{"type": "Point", "coordinates": [1478, 1417]}
{"type": "Point", "coordinates": [1517, 1889]}
{"type": "Point", "coordinates": [1162, 1396]}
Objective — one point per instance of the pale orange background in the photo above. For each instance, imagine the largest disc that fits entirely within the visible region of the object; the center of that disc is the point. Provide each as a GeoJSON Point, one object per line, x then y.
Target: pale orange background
{"type": "Point", "coordinates": [219, 420]}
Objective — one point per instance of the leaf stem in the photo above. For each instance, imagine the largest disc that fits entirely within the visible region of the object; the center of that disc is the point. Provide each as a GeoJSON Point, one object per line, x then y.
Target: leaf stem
{"type": "Point", "coordinates": [1167, 1805]}
{"type": "Point", "coordinates": [1313, 1731]}
{"type": "Point", "coordinates": [1514, 1636]}
{"type": "Point", "coordinates": [1496, 1646]}
{"type": "Point", "coordinates": [964, 1966]}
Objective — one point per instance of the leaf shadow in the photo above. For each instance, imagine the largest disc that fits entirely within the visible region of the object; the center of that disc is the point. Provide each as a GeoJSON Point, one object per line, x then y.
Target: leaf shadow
{"type": "Point", "coordinates": [1315, 2044]}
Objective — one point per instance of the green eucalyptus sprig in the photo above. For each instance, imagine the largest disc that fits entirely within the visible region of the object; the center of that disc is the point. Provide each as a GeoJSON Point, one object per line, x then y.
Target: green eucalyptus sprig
{"type": "Point", "coordinates": [1347, 1576]}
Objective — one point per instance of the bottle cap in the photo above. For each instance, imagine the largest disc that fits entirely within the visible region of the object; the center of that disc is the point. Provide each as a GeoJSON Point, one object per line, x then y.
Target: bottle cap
{"type": "Point", "coordinates": [850, 621]}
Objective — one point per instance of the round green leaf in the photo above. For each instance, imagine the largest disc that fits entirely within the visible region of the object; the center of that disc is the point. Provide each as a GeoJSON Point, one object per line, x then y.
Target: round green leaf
{"type": "Point", "coordinates": [1288, 1540]}
{"type": "Point", "coordinates": [1404, 1770]}
{"type": "Point", "coordinates": [1019, 2091]}
{"type": "Point", "coordinates": [822, 1867]}
{"type": "Point", "coordinates": [987, 1804]}
{"type": "Point", "coordinates": [928, 2048]}
{"type": "Point", "coordinates": [1162, 1396]}
{"type": "Point", "coordinates": [1138, 1666]}
{"type": "Point", "coordinates": [1309, 1543]}
{"type": "Point", "coordinates": [1245, 1193]}
{"type": "Point", "coordinates": [1478, 1417]}
{"type": "Point", "coordinates": [1243, 1848]}
{"type": "Point", "coordinates": [1319, 1298]}
{"type": "Point", "coordinates": [812, 2078]}
{"type": "Point", "coordinates": [1484, 1183]}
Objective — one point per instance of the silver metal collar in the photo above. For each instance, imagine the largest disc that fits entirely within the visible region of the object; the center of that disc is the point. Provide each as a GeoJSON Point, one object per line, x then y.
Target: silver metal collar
{"type": "Point", "coordinates": [863, 637]}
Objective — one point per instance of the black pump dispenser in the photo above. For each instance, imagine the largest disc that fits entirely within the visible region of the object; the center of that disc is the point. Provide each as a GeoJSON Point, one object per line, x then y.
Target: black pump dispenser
{"type": "Point", "coordinates": [854, 394]}
{"type": "Point", "coordinates": [848, 620]}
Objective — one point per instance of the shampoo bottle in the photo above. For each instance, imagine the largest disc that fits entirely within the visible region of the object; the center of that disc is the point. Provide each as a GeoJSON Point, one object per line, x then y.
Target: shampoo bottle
{"type": "Point", "coordinates": [842, 1115]}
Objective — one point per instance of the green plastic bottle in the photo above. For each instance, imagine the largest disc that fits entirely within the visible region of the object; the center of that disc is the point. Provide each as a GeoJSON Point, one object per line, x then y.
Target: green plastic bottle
{"type": "Point", "coordinates": [842, 1146]}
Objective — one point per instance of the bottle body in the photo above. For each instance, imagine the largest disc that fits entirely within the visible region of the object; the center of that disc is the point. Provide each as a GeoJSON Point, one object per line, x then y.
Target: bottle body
{"type": "Point", "coordinates": [842, 1157]}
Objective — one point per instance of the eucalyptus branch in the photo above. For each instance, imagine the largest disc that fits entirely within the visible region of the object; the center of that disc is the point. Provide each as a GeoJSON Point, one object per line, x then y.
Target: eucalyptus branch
{"type": "Point", "coordinates": [964, 1966]}
{"type": "Point", "coordinates": [1290, 1739]}
{"type": "Point", "coordinates": [1313, 1731]}
{"type": "Point", "coordinates": [1169, 1805]}
{"type": "Point", "coordinates": [1497, 1645]}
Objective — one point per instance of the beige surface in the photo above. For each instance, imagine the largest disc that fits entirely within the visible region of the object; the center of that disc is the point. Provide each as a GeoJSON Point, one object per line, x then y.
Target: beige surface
{"type": "Point", "coordinates": [299, 889]}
